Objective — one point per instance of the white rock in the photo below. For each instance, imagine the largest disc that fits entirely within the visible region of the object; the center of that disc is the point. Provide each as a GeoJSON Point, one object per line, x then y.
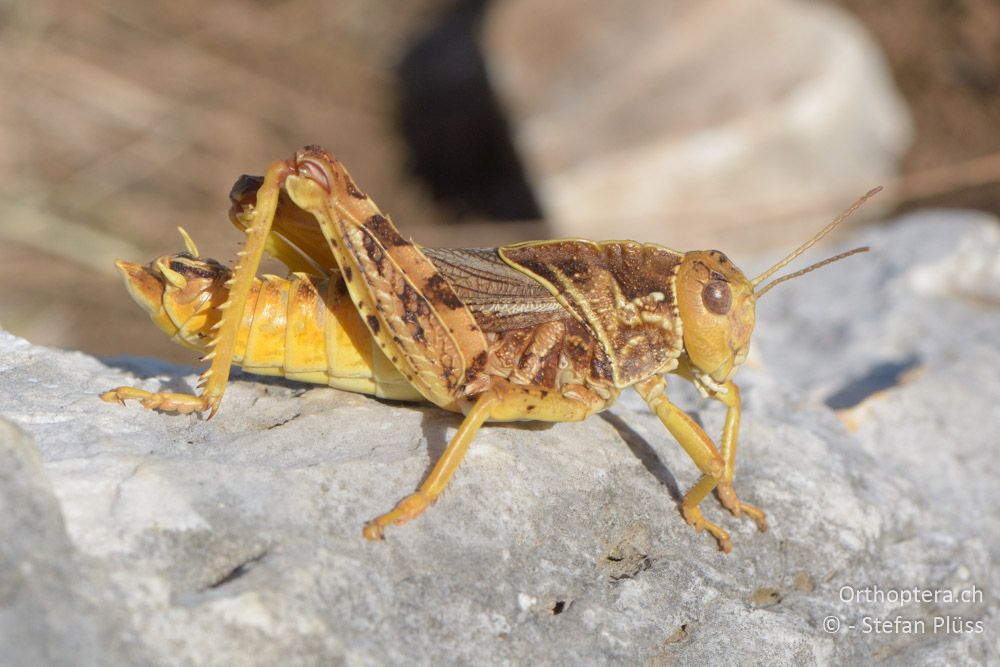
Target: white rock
{"type": "Point", "coordinates": [128, 537]}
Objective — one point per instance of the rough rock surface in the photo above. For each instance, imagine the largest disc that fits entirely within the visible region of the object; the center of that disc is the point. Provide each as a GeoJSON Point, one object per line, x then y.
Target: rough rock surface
{"type": "Point", "coordinates": [645, 116]}
{"type": "Point", "coordinates": [129, 537]}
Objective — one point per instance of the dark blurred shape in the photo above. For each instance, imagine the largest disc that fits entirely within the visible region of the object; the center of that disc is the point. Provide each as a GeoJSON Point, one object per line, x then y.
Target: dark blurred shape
{"type": "Point", "coordinates": [458, 136]}
{"type": "Point", "coordinates": [879, 378]}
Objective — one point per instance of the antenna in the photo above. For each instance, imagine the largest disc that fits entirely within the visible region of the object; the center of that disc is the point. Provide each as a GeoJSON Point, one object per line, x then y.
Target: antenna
{"type": "Point", "coordinates": [810, 243]}
{"type": "Point", "coordinates": [812, 267]}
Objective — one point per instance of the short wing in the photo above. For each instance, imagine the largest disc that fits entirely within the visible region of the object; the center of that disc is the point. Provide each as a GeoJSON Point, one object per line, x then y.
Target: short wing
{"type": "Point", "coordinates": [500, 297]}
{"type": "Point", "coordinates": [622, 290]}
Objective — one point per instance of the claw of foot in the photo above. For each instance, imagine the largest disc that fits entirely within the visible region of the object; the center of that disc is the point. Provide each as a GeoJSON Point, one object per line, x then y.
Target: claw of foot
{"type": "Point", "coordinates": [373, 531]}
{"type": "Point", "coordinates": [406, 509]}
{"type": "Point", "coordinates": [696, 519]}
{"type": "Point", "coordinates": [738, 508]}
{"type": "Point", "coordinates": [163, 401]}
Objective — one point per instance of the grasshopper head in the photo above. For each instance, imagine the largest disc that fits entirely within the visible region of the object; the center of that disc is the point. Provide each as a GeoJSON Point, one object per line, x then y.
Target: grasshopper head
{"type": "Point", "coordinates": [716, 304]}
{"type": "Point", "coordinates": [180, 293]}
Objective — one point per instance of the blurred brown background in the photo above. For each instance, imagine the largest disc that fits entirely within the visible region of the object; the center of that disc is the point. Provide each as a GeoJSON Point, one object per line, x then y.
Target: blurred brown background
{"type": "Point", "coordinates": [121, 120]}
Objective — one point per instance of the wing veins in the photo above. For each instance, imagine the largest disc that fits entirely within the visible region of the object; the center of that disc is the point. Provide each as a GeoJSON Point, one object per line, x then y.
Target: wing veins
{"type": "Point", "coordinates": [500, 297]}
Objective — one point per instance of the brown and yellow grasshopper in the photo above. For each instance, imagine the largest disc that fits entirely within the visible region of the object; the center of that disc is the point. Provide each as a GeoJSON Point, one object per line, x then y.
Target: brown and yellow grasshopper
{"type": "Point", "coordinates": [544, 330]}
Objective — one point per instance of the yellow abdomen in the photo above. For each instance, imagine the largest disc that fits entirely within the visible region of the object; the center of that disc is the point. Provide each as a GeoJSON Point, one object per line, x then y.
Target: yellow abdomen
{"type": "Point", "coordinates": [307, 329]}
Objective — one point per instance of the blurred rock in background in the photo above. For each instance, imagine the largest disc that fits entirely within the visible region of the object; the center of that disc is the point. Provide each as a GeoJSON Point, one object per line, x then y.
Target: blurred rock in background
{"type": "Point", "coordinates": [695, 123]}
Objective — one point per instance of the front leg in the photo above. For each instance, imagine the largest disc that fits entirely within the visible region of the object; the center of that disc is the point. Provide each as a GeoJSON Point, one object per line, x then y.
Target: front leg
{"type": "Point", "coordinates": [730, 397]}
{"type": "Point", "coordinates": [730, 434]}
{"type": "Point", "coordinates": [698, 446]}
{"type": "Point", "coordinates": [216, 377]}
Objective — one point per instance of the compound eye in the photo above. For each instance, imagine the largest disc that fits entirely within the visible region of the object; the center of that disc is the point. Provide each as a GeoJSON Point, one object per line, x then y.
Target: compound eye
{"type": "Point", "coordinates": [717, 297]}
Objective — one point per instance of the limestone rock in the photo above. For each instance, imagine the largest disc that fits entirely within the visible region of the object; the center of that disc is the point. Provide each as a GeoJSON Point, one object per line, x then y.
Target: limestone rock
{"type": "Point", "coordinates": [48, 611]}
{"type": "Point", "coordinates": [869, 436]}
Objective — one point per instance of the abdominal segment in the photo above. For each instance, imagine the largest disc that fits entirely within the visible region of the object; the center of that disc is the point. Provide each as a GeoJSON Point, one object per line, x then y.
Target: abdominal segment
{"type": "Point", "coordinates": [307, 329]}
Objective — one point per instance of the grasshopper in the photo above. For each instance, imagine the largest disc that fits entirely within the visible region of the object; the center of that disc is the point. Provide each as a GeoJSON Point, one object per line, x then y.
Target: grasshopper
{"type": "Point", "coordinates": [542, 330]}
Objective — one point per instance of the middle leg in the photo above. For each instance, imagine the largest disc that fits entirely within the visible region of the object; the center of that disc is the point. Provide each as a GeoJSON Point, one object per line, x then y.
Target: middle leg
{"type": "Point", "coordinates": [414, 504]}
